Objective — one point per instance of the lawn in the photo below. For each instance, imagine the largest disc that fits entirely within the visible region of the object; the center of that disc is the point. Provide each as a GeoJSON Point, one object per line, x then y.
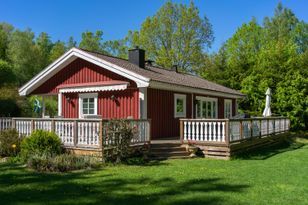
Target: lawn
{"type": "Point", "coordinates": [274, 176]}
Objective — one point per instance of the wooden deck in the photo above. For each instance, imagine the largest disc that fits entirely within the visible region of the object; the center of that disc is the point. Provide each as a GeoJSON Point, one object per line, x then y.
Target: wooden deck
{"type": "Point", "coordinates": [81, 136]}
{"type": "Point", "coordinates": [221, 138]}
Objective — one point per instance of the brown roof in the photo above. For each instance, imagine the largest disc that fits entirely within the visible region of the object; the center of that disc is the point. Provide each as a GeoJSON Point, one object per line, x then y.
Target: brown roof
{"type": "Point", "coordinates": [166, 76]}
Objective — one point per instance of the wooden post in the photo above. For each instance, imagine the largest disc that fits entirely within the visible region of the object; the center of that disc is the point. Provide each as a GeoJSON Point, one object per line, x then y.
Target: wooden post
{"type": "Point", "coordinates": [260, 131]}
{"type": "Point", "coordinates": [32, 126]}
{"type": "Point", "coordinates": [274, 127]}
{"type": "Point", "coordinates": [101, 134]}
{"type": "Point", "coordinates": [241, 129]}
{"type": "Point", "coordinates": [181, 131]}
{"type": "Point", "coordinates": [53, 125]}
{"type": "Point", "coordinates": [251, 129]}
{"type": "Point", "coordinates": [13, 123]}
{"type": "Point", "coordinates": [75, 134]}
{"type": "Point", "coordinates": [150, 125]}
{"type": "Point", "coordinates": [267, 127]}
{"type": "Point", "coordinates": [227, 133]}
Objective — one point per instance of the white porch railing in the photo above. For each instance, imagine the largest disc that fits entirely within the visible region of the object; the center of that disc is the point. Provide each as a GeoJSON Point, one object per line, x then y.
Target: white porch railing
{"type": "Point", "coordinates": [75, 132]}
{"type": "Point", "coordinates": [225, 131]}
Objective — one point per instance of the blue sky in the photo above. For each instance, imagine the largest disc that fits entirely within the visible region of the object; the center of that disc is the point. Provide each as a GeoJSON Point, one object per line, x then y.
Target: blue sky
{"type": "Point", "coordinates": [61, 19]}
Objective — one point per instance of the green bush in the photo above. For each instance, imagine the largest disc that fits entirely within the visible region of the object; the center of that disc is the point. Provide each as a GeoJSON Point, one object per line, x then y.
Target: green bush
{"type": "Point", "coordinates": [61, 163]}
{"type": "Point", "coordinates": [119, 136]}
{"type": "Point", "coordinates": [9, 143]}
{"type": "Point", "coordinates": [41, 142]}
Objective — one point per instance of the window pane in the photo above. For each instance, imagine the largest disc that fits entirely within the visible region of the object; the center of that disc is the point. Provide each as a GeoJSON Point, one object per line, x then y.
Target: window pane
{"type": "Point", "coordinates": [214, 109]}
{"type": "Point", "coordinates": [203, 109]}
{"type": "Point", "coordinates": [91, 105]}
{"type": "Point", "coordinates": [179, 106]}
{"type": "Point", "coordinates": [91, 100]}
{"type": "Point", "coordinates": [209, 109]}
{"type": "Point", "coordinates": [198, 108]}
{"type": "Point", "coordinates": [91, 111]}
{"type": "Point", "coordinates": [85, 111]}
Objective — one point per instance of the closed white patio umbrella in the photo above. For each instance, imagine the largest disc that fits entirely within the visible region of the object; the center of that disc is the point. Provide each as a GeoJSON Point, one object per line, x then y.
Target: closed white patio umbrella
{"type": "Point", "coordinates": [267, 111]}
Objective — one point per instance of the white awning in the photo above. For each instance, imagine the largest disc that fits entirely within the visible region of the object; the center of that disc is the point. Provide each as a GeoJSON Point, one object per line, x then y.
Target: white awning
{"type": "Point", "coordinates": [94, 87]}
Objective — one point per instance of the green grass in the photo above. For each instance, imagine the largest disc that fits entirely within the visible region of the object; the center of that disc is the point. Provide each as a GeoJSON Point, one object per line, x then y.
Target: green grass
{"type": "Point", "coordinates": [273, 176]}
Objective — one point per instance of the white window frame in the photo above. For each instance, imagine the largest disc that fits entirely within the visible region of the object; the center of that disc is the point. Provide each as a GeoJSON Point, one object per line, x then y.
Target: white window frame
{"type": "Point", "coordinates": [181, 97]}
{"type": "Point", "coordinates": [227, 101]}
{"type": "Point", "coordinates": [207, 99]}
{"type": "Point", "coordinates": [87, 95]}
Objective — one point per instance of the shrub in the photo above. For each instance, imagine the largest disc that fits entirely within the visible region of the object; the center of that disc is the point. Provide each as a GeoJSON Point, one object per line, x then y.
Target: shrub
{"type": "Point", "coordinates": [41, 142]}
{"type": "Point", "coordinates": [61, 163]}
{"type": "Point", "coordinates": [9, 143]}
{"type": "Point", "coordinates": [119, 135]}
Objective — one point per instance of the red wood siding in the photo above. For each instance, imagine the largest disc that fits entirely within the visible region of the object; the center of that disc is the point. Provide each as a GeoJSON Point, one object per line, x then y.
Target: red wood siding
{"type": "Point", "coordinates": [70, 108]}
{"type": "Point", "coordinates": [79, 71]}
{"type": "Point", "coordinates": [125, 105]}
{"type": "Point", "coordinates": [161, 112]}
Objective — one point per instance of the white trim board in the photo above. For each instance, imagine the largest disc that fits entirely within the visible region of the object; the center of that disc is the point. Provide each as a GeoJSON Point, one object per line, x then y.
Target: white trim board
{"type": "Point", "coordinates": [185, 89]}
{"type": "Point", "coordinates": [69, 57]}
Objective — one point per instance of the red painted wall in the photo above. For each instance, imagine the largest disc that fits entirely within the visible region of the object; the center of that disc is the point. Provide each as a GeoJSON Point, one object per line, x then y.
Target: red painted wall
{"type": "Point", "coordinates": [79, 71]}
{"type": "Point", "coordinates": [161, 112]}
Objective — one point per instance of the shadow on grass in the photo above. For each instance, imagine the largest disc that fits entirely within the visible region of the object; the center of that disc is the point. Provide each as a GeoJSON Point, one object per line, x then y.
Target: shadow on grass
{"type": "Point", "coordinates": [19, 185]}
{"type": "Point", "coordinates": [292, 142]}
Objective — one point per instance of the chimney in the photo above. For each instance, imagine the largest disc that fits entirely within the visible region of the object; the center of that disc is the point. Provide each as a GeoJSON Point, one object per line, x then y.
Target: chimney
{"type": "Point", "coordinates": [137, 57]}
{"type": "Point", "coordinates": [174, 68]}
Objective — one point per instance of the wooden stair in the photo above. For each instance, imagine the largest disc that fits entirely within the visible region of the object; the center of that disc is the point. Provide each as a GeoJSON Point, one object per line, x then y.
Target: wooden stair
{"type": "Point", "coordinates": [162, 151]}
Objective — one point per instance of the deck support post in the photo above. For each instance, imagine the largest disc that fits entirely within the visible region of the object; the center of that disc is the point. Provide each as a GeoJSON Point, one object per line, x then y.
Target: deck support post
{"type": "Point", "coordinates": [53, 125]}
{"type": "Point", "coordinates": [13, 123]}
{"type": "Point", "coordinates": [32, 126]}
{"type": "Point", "coordinates": [227, 133]}
{"type": "Point", "coordinates": [251, 129]}
{"type": "Point", "coordinates": [75, 134]}
{"type": "Point", "coordinates": [241, 130]}
{"type": "Point", "coordinates": [181, 131]}
{"type": "Point", "coordinates": [101, 142]}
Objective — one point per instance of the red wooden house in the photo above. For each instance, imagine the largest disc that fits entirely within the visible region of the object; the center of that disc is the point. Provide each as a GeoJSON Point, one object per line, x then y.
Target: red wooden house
{"type": "Point", "coordinates": [90, 84]}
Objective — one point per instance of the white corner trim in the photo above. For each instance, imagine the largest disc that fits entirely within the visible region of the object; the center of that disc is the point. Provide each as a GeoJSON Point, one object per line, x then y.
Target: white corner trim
{"type": "Point", "coordinates": [93, 88]}
{"type": "Point", "coordinates": [70, 56]}
{"type": "Point", "coordinates": [183, 97]}
{"type": "Point", "coordinates": [143, 103]}
{"type": "Point", "coordinates": [59, 104]}
{"type": "Point", "coordinates": [87, 95]}
{"type": "Point", "coordinates": [186, 89]}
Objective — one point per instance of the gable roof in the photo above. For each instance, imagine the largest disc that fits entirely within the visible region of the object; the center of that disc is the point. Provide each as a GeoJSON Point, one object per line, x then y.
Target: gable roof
{"type": "Point", "coordinates": [167, 76]}
{"type": "Point", "coordinates": [150, 76]}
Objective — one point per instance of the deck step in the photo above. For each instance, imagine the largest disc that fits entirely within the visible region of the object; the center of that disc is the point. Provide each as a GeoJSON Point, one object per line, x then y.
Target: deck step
{"type": "Point", "coordinates": [163, 151]}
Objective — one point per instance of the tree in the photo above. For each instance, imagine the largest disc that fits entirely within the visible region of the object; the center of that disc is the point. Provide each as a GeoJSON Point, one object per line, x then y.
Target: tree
{"type": "Point", "coordinates": [23, 55]}
{"type": "Point", "coordinates": [43, 46]}
{"type": "Point", "coordinates": [71, 43]}
{"type": "Point", "coordinates": [57, 50]}
{"type": "Point", "coordinates": [5, 32]}
{"type": "Point", "coordinates": [92, 42]}
{"type": "Point", "coordinates": [6, 74]}
{"type": "Point", "coordinates": [292, 99]}
{"type": "Point", "coordinates": [176, 34]}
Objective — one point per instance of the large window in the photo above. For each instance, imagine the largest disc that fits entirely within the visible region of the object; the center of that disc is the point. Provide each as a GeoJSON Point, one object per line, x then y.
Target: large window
{"type": "Point", "coordinates": [206, 107]}
{"type": "Point", "coordinates": [179, 105]}
{"type": "Point", "coordinates": [228, 108]}
{"type": "Point", "coordinates": [87, 104]}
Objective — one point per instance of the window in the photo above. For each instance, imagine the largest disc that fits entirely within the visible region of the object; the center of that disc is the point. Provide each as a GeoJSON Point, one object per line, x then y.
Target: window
{"type": "Point", "coordinates": [228, 108]}
{"type": "Point", "coordinates": [206, 107]}
{"type": "Point", "coordinates": [179, 105]}
{"type": "Point", "coordinates": [87, 104]}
